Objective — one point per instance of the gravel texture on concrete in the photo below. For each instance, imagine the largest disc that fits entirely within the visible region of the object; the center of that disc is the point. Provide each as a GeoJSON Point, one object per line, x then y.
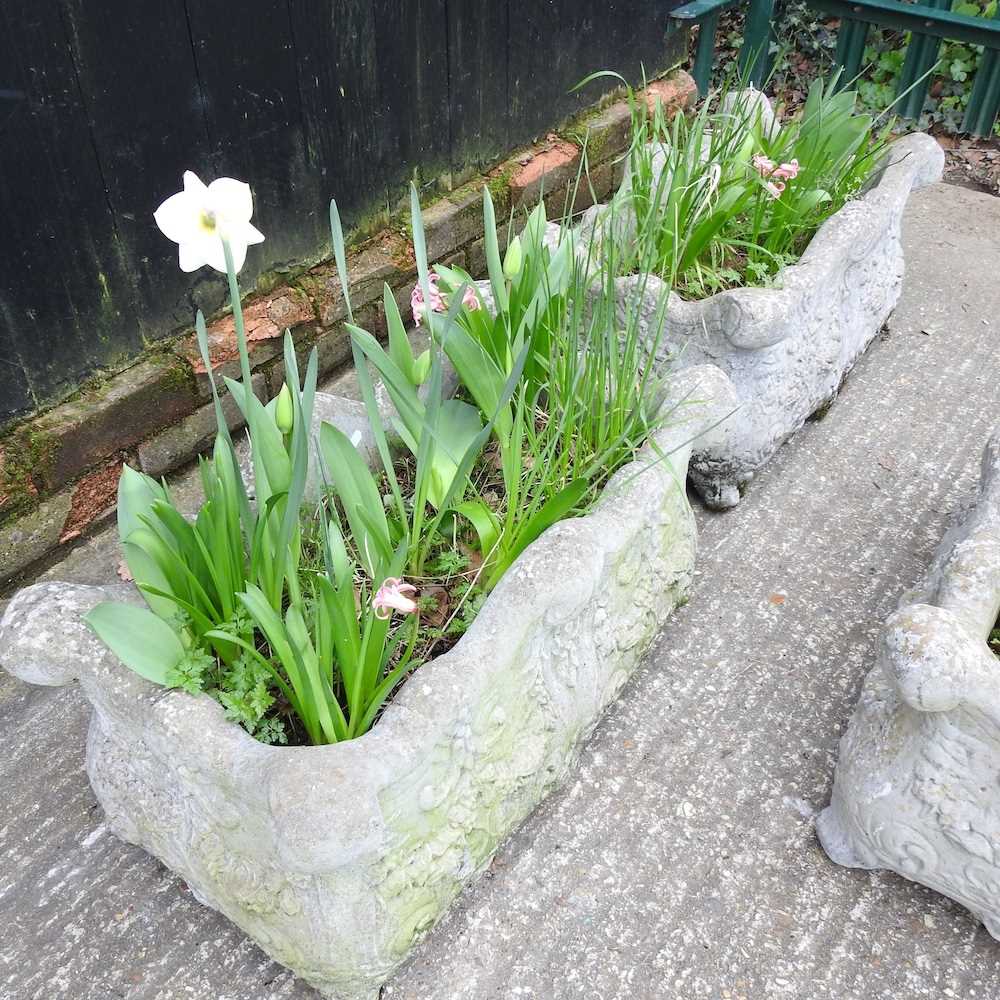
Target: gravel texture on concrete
{"type": "Point", "coordinates": [681, 861]}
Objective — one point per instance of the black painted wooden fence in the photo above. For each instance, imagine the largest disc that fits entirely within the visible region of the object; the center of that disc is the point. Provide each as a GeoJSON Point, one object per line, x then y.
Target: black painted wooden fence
{"type": "Point", "coordinates": [104, 103]}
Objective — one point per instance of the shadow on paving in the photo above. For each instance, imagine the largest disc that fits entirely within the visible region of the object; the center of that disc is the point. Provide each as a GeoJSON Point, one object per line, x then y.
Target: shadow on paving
{"type": "Point", "coordinates": [681, 861]}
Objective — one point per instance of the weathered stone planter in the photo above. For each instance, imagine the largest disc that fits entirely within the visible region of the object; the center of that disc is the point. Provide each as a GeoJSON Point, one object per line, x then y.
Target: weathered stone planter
{"type": "Point", "coordinates": [785, 350]}
{"type": "Point", "coordinates": [337, 859]}
{"type": "Point", "coordinates": [916, 784]}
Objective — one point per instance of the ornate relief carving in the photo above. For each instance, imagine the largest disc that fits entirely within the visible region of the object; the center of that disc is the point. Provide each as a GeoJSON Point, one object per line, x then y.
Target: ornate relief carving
{"type": "Point", "coordinates": [917, 787]}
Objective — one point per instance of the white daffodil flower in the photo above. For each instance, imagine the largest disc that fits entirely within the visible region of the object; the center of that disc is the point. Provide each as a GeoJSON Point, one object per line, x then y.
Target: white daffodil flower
{"type": "Point", "coordinates": [199, 218]}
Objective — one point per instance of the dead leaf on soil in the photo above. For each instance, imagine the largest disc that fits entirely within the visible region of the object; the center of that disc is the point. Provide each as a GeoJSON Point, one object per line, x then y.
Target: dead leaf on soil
{"type": "Point", "coordinates": [436, 616]}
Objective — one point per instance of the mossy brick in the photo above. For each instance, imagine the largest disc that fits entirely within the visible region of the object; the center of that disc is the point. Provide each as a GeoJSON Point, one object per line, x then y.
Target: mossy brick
{"type": "Point", "coordinates": [617, 173]}
{"type": "Point", "coordinates": [125, 409]}
{"type": "Point", "coordinates": [557, 200]}
{"type": "Point", "coordinates": [180, 443]}
{"type": "Point", "coordinates": [265, 319]}
{"type": "Point", "coordinates": [675, 92]}
{"type": "Point", "coordinates": [609, 132]}
{"type": "Point", "coordinates": [333, 350]}
{"type": "Point", "coordinates": [372, 318]}
{"type": "Point", "coordinates": [268, 281]}
{"type": "Point", "coordinates": [31, 536]}
{"type": "Point", "coordinates": [457, 177]}
{"type": "Point", "coordinates": [333, 347]}
{"type": "Point", "coordinates": [388, 260]}
{"type": "Point", "coordinates": [224, 363]}
{"type": "Point", "coordinates": [452, 222]}
{"type": "Point", "coordinates": [592, 187]}
{"type": "Point", "coordinates": [17, 488]}
{"type": "Point", "coordinates": [498, 181]}
{"type": "Point", "coordinates": [470, 189]}
{"type": "Point", "coordinates": [600, 184]}
{"type": "Point", "coordinates": [550, 167]}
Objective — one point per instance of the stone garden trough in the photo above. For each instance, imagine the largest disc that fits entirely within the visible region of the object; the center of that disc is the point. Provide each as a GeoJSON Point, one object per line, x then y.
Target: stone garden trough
{"type": "Point", "coordinates": [786, 349]}
{"type": "Point", "coordinates": [916, 783]}
{"type": "Point", "coordinates": [337, 859]}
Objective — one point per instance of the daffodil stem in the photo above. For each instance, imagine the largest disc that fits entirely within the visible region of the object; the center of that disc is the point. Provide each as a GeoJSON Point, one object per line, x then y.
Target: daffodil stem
{"type": "Point", "coordinates": [234, 299]}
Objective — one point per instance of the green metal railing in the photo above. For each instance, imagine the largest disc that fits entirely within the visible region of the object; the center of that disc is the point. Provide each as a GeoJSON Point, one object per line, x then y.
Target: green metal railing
{"type": "Point", "coordinates": [928, 23]}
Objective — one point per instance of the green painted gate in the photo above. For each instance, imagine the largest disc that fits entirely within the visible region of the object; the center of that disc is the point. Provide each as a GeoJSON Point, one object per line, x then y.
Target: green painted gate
{"type": "Point", "coordinates": [928, 23]}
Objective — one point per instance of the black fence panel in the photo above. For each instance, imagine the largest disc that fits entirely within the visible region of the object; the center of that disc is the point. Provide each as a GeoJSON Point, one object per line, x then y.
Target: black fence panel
{"type": "Point", "coordinates": [104, 105]}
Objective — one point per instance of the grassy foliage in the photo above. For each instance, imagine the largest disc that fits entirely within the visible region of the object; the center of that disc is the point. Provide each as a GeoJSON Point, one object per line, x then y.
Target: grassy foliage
{"type": "Point", "coordinates": [724, 200]}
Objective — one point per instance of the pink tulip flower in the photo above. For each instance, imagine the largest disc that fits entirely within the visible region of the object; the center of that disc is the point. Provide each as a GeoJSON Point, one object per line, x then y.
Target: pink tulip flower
{"type": "Point", "coordinates": [391, 596]}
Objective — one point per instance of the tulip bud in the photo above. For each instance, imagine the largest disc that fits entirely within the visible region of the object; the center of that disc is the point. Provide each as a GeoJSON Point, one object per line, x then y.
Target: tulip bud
{"type": "Point", "coordinates": [284, 412]}
{"type": "Point", "coordinates": [421, 368]}
{"type": "Point", "coordinates": [513, 260]}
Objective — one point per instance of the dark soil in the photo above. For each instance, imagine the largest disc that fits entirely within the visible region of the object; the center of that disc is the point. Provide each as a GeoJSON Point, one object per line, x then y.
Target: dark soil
{"type": "Point", "coordinates": [972, 163]}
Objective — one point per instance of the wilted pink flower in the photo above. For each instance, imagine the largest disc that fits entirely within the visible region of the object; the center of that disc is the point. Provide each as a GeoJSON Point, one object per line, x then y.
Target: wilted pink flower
{"type": "Point", "coordinates": [470, 299]}
{"type": "Point", "coordinates": [392, 596]}
{"type": "Point", "coordinates": [775, 174]}
{"type": "Point", "coordinates": [417, 298]}
{"type": "Point", "coordinates": [438, 302]}
{"type": "Point", "coordinates": [786, 171]}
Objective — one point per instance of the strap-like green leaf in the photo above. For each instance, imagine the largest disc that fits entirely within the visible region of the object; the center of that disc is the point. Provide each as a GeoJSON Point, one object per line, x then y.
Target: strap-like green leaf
{"type": "Point", "coordinates": [483, 520]}
{"type": "Point", "coordinates": [355, 486]}
{"type": "Point", "coordinates": [555, 509]}
{"type": "Point", "coordinates": [136, 493]}
{"type": "Point", "coordinates": [144, 642]}
{"type": "Point", "coordinates": [458, 425]}
{"type": "Point", "coordinates": [494, 265]}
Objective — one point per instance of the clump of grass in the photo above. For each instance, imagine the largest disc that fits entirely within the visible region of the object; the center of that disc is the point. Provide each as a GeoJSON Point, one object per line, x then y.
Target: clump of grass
{"type": "Point", "coordinates": [726, 199]}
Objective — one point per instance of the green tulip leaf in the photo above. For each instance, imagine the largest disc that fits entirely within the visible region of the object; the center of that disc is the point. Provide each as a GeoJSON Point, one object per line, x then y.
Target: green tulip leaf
{"type": "Point", "coordinates": [144, 642]}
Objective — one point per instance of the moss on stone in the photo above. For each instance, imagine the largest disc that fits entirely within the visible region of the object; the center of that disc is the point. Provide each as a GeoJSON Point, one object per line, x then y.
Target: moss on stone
{"type": "Point", "coordinates": [42, 447]}
{"type": "Point", "coordinates": [179, 377]}
{"type": "Point", "coordinates": [268, 281]}
{"type": "Point", "coordinates": [28, 455]}
{"type": "Point", "coordinates": [369, 225]}
{"type": "Point", "coordinates": [594, 143]}
{"type": "Point", "coordinates": [499, 185]}
{"type": "Point", "coordinates": [94, 387]}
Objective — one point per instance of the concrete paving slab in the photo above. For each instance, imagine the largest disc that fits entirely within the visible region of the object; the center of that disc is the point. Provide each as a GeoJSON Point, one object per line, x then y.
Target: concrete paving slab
{"type": "Point", "coordinates": [681, 862]}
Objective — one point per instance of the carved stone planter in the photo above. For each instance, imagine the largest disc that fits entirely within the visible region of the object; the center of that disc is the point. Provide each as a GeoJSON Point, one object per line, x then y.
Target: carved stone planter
{"type": "Point", "coordinates": [337, 859]}
{"type": "Point", "coordinates": [785, 350]}
{"type": "Point", "coordinates": [916, 784]}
